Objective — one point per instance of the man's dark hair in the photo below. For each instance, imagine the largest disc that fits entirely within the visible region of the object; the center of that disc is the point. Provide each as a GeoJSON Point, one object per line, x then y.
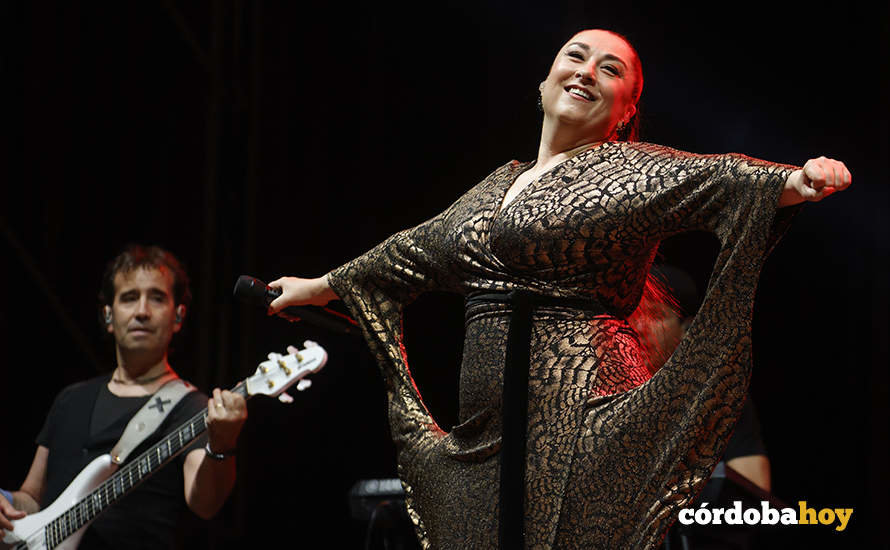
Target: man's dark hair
{"type": "Point", "coordinates": [137, 256]}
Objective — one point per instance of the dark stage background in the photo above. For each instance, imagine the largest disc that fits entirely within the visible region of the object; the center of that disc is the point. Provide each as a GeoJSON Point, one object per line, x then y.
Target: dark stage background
{"type": "Point", "coordinates": [271, 139]}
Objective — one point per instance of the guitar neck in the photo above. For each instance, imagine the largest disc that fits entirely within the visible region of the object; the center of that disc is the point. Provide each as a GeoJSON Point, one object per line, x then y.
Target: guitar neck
{"type": "Point", "coordinates": [130, 475]}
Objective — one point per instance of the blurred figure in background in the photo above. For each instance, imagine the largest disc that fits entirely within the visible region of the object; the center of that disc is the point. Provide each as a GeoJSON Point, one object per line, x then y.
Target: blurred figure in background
{"type": "Point", "coordinates": [661, 329]}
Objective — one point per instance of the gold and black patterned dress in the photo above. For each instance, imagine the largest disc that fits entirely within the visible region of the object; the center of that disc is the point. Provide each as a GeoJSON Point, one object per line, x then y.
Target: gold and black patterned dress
{"type": "Point", "coordinates": [612, 453]}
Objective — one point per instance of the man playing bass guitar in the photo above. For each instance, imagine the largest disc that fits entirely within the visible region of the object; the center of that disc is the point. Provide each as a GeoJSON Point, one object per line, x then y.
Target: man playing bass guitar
{"type": "Point", "coordinates": [144, 299]}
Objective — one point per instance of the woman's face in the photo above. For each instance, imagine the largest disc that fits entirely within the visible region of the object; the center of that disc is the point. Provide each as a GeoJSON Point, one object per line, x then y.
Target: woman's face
{"type": "Point", "coordinates": [590, 85]}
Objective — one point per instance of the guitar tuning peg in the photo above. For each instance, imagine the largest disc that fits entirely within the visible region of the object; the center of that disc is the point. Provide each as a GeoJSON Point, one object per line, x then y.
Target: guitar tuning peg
{"type": "Point", "coordinates": [285, 398]}
{"type": "Point", "coordinates": [303, 384]}
{"type": "Point", "coordinates": [310, 344]}
{"type": "Point", "coordinates": [295, 352]}
{"type": "Point", "coordinates": [273, 356]}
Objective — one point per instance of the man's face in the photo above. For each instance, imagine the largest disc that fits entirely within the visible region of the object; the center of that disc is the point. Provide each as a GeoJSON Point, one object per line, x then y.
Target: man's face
{"type": "Point", "coordinates": [143, 315]}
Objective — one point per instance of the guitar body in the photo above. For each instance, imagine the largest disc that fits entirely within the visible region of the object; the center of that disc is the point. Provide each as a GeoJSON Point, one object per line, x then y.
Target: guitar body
{"type": "Point", "coordinates": [29, 532]}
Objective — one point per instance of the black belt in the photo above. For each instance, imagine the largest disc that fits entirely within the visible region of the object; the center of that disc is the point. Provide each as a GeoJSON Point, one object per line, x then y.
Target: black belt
{"type": "Point", "coordinates": [511, 522]}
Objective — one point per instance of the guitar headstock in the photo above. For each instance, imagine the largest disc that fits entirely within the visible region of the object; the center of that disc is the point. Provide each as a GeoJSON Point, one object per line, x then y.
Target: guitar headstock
{"type": "Point", "coordinates": [280, 372]}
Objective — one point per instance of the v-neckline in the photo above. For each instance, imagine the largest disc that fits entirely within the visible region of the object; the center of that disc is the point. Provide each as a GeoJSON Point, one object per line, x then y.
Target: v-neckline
{"type": "Point", "coordinates": [501, 207]}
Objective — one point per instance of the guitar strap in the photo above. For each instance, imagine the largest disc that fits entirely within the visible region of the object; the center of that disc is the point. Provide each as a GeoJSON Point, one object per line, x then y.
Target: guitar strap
{"type": "Point", "coordinates": [150, 417]}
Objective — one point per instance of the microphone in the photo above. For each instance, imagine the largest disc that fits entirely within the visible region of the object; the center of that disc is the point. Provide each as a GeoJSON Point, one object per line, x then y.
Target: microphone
{"type": "Point", "coordinates": [255, 292]}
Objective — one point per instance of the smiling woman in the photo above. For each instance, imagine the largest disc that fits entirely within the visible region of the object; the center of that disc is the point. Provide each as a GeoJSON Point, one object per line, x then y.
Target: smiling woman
{"type": "Point", "coordinates": [594, 85]}
{"type": "Point", "coordinates": [565, 440]}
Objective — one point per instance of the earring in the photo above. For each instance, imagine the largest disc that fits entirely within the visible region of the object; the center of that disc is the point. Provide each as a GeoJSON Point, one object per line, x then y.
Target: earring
{"type": "Point", "coordinates": [178, 318]}
{"type": "Point", "coordinates": [107, 317]}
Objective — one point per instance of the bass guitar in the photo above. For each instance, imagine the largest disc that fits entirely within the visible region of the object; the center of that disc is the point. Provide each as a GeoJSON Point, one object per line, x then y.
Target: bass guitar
{"type": "Point", "coordinates": [102, 482]}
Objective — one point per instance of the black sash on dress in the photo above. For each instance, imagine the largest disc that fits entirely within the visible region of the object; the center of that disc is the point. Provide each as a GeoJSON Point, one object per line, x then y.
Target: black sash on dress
{"type": "Point", "coordinates": [511, 521]}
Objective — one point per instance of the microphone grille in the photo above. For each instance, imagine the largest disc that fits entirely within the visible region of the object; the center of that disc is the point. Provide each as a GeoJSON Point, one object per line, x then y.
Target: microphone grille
{"type": "Point", "coordinates": [250, 290]}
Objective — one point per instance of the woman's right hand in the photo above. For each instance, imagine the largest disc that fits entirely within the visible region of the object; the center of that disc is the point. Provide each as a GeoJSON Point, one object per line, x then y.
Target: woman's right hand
{"type": "Point", "coordinates": [301, 292]}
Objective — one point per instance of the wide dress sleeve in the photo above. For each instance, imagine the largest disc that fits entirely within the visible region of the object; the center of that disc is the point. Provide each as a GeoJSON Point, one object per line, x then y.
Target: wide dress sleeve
{"type": "Point", "coordinates": [668, 433]}
{"type": "Point", "coordinates": [375, 287]}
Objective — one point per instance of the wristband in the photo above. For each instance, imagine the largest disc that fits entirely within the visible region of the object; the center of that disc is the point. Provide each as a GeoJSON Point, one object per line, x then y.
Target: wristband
{"type": "Point", "coordinates": [6, 494]}
{"type": "Point", "coordinates": [218, 456]}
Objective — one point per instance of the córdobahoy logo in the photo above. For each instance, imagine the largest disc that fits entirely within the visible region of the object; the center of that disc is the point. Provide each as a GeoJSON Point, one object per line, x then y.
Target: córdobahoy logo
{"type": "Point", "coordinates": [766, 515]}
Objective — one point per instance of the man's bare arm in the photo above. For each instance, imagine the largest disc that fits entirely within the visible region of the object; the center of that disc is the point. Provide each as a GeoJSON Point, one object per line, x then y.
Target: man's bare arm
{"type": "Point", "coordinates": [209, 481]}
{"type": "Point", "coordinates": [27, 499]}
